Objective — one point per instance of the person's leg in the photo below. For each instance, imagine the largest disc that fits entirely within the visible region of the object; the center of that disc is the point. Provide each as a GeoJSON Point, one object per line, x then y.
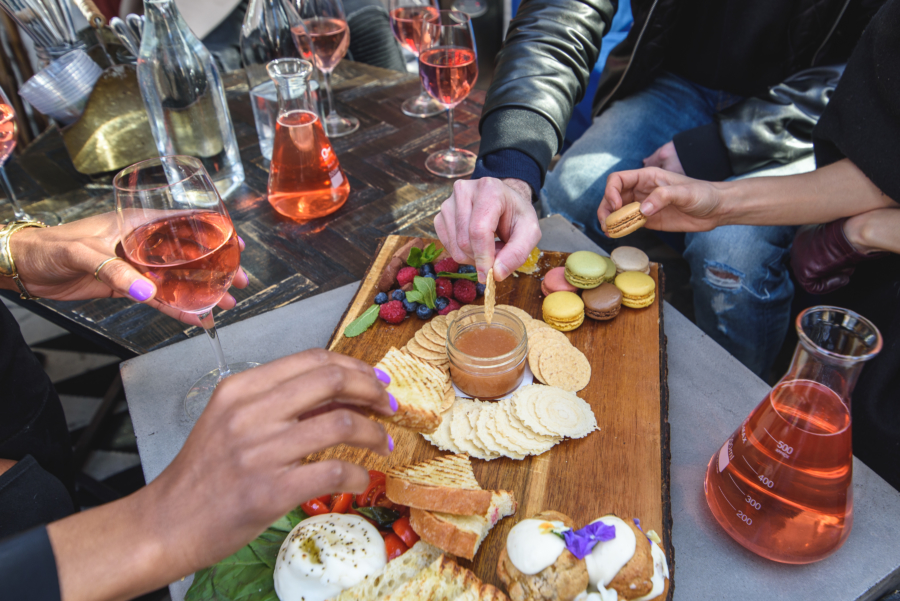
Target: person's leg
{"type": "Point", "coordinates": [742, 289]}
{"type": "Point", "coordinates": [630, 130]}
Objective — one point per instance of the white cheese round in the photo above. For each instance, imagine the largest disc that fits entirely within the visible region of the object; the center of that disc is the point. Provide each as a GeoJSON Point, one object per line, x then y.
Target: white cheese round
{"type": "Point", "coordinates": [325, 555]}
{"type": "Point", "coordinates": [608, 557]}
{"type": "Point", "coordinates": [531, 549]}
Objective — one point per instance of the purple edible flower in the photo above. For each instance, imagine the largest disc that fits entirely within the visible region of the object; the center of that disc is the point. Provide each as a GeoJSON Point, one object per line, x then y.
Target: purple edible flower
{"type": "Point", "coordinates": [581, 542]}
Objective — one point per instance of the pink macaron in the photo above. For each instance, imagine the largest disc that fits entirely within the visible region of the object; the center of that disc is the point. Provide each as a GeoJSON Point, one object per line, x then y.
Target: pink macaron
{"type": "Point", "coordinates": [555, 281]}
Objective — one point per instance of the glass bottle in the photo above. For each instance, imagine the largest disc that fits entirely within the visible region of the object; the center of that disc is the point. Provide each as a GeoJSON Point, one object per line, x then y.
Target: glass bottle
{"type": "Point", "coordinates": [184, 96]}
{"type": "Point", "coordinates": [267, 33]}
{"type": "Point", "coordinates": [305, 177]}
{"type": "Point", "coordinates": [781, 485]}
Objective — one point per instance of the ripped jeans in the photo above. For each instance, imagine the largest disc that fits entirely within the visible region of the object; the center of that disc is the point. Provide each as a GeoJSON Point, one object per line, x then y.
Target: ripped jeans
{"type": "Point", "coordinates": [742, 289]}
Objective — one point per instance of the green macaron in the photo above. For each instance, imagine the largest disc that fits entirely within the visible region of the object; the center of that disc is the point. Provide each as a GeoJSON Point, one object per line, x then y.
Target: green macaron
{"type": "Point", "coordinates": [610, 274]}
{"type": "Point", "coordinates": [585, 269]}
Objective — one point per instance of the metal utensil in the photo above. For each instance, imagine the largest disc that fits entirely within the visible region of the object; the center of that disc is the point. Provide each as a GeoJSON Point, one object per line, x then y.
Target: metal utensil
{"type": "Point", "coordinates": [125, 34]}
{"type": "Point", "coordinates": [136, 24]}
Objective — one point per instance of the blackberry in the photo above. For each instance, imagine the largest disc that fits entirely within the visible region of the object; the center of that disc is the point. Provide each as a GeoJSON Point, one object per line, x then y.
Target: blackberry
{"type": "Point", "coordinates": [381, 298]}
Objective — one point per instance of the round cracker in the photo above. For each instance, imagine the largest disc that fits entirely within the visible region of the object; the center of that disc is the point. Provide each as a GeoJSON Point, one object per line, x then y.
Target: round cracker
{"type": "Point", "coordinates": [451, 316]}
{"type": "Point", "coordinates": [533, 325]}
{"type": "Point", "coordinates": [520, 313]}
{"type": "Point", "coordinates": [566, 414]}
{"type": "Point", "coordinates": [421, 352]}
{"type": "Point", "coordinates": [516, 423]}
{"type": "Point", "coordinates": [429, 333]}
{"type": "Point", "coordinates": [449, 399]}
{"type": "Point", "coordinates": [487, 452]}
{"type": "Point", "coordinates": [422, 339]}
{"type": "Point", "coordinates": [565, 367]}
{"type": "Point", "coordinates": [508, 436]}
{"type": "Point", "coordinates": [486, 427]}
{"type": "Point", "coordinates": [460, 428]}
{"type": "Point", "coordinates": [439, 324]}
{"type": "Point", "coordinates": [522, 403]}
{"type": "Point", "coordinates": [534, 356]}
{"type": "Point", "coordinates": [548, 333]}
{"type": "Point", "coordinates": [441, 437]}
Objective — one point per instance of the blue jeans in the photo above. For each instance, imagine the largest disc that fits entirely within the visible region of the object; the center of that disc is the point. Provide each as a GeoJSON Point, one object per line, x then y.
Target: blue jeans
{"type": "Point", "coordinates": [742, 289]}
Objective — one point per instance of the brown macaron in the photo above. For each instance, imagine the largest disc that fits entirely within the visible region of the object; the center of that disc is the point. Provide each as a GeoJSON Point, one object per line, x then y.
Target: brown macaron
{"type": "Point", "coordinates": [624, 221]}
{"type": "Point", "coordinates": [603, 302]}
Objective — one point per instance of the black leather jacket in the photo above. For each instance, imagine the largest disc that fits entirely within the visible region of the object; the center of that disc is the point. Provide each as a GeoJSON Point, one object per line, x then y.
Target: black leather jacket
{"type": "Point", "coordinates": [552, 46]}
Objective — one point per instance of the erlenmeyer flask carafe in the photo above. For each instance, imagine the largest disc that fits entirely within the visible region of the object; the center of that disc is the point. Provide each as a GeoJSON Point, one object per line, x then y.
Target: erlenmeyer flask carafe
{"type": "Point", "coordinates": [305, 178]}
{"type": "Point", "coordinates": [781, 485]}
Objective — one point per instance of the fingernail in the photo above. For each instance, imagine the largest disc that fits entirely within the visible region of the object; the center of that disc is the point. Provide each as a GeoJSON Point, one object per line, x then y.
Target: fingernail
{"type": "Point", "coordinates": [241, 240]}
{"type": "Point", "coordinates": [646, 208]}
{"type": "Point", "coordinates": [390, 443]}
{"type": "Point", "coordinates": [383, 376]}
{"type": "Point", "coordinates": [394, 405]}
{"type": "Point", "coordinates": [140, 290]}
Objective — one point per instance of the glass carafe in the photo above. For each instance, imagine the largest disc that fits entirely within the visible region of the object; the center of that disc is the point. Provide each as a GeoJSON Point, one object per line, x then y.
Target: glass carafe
{"type": "Point", "coordinates": [184, 96]}
{"type": "Point", "coordinates": [305, 178]}
{"type": "Point", "coordinates": [781, 485]}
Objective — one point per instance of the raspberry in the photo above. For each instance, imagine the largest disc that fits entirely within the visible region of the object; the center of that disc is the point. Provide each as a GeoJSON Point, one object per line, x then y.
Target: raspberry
{"type": "Point", "coordinates": [446, 264]}
{"type": "Point", "coordinates": [464, 291]}
{"type": "Point", "coordinates": [443, 287]}
{"type": "Point", "coordinates": [406, 275]}
{"type": "Point", "coordinates": [452, 305]}
{"type": "Point", "coordinates": [392, 312]}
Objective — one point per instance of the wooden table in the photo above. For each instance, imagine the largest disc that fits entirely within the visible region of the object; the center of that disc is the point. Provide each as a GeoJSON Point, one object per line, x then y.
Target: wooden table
{"type": "Point", "coordinates": [392, 193]}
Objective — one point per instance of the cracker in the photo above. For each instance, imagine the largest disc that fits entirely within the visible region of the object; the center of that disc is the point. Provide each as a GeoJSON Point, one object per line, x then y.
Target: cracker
{"type": "Point", "coordinates": [441, 437]}
{"type": "Point", "coordinates": [524, 316]}
{"type": "Point", "coordinates": [426, 343]}
{"type": "Point", "coordinates": [486, 427]}
{"type": "Point", "coordinates": [461, 428]}
{"type": "Point", "coordinates": [429, 333]}
{"type": "Point", "coordinates": [429, 355]}
{"type": "Point", "coordinates": [511, 435]}
{"type": "Point", "coordinates": [451, 316]}
{"type": "Point", "coordinates": [449, 398]}
{"type": "Point", "coordinates": [566, 414]}
{"type": "Point", "coordinates": [488, 453]}
{"type": "Point", "coordinates": [440, 323]}
{"type": "Point", "coordinates": [490, 296]}
{"type": "Point", "coordinates": [522, 403]}
{"type": "Point", "coordinates": [548, 333]}
{"type": "Point", "coordinates": [565, 367]}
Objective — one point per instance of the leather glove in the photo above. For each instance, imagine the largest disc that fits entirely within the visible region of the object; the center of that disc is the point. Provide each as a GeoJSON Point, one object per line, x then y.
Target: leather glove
{"type": "Point", "coordinates": [823, 259]}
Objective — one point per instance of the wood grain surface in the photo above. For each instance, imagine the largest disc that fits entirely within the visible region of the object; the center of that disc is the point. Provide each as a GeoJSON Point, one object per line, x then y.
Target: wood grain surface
{"type": "Point", "coordinates": [621, 469]}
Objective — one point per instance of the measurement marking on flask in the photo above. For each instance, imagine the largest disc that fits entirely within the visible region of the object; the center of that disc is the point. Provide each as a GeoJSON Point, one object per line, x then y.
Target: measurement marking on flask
{"type": "Point", "coordinates": [726, 498]}
{"type": "Point", "coordinates": [748, 465]}
{"type": "Point", "coordinates": [783, 449]}
{"type": "Point", "coordinates": [736, 484]}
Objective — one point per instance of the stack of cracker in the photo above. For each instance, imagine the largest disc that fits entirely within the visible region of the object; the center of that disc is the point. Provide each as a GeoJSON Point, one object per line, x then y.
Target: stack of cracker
{"type": "Point", "coordinates": [430, 342]}
{"type": "Point", "coordinates": [531, 422]}
{"type": "Point", "coordinates": [555, 361]}
{"type": "Point", "coordinates": [422, 391]}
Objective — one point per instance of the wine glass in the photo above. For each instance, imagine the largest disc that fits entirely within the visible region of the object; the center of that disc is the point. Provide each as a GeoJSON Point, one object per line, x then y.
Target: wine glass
{"type": "Point", "coordinates": [329, 36]}
{"type": "Point", "coordinates": [176, 232]}
{"type": "Point", "coordinates": [448, 66]}
{"type": "Point", "coordinates": [473, 8]}
{"type": "Point", "coordinates": [8, 131]}
{"type": "Point", "coordinates": [406, 23]}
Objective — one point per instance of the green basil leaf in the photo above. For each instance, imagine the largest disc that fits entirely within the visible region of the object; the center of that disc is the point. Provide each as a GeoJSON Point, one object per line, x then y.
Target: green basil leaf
{"type": "Point", "coordinates": [473, 277]}
{"type": "Point", "coordinates": [415, 257]}
{"type": "Point", "coordinates": [425, 287]}
{"type": "Point", "coordinates": [362, 323]}
{"type": "Point", "coordinates": [382, 516]}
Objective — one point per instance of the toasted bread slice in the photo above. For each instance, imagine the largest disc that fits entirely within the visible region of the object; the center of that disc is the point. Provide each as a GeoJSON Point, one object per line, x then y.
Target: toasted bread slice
{"type": "Point", "coordinates": [446, 484]}
{"type": "Point", "coordinates": [461, 535]}
{"type": "Point", "coordinates": [418, 388]}
{"type": "Point", "coordinates": [394, 575]}
{"type": "Point", "coordinates": [445, 580]}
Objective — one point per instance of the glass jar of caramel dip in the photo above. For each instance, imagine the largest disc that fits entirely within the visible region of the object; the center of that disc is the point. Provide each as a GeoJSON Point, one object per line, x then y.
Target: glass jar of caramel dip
{"type": "Point", "coordinates": [487, 361]}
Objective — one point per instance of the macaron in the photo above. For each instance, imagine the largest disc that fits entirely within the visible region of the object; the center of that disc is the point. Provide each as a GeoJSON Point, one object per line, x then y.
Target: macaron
{"type": "Point", "coordinates": [585, 269]}
{"type": "Point", "coordinates": [638, 289]}
{"type": "Point", "coordinates": [563, 311]}
{"type": "Point", "coordinates": [555, 281]}
{"type": "Point", "coordinates": [629, 258]}
{"type": "Point", "coordinates": [602, 302]}
{"type": "Point", "coordinates": [624, 221]}
{"type": "Point", "coordinates": [610, 274]}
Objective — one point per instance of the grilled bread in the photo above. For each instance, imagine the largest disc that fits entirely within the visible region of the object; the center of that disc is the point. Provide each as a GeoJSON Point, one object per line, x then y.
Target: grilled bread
{"type": "Point", "coordinates": [446, 484]}
{"type": "Point", "coordinates": [394, 575]}
{"type": "Point", "coordinates": [418, 388]}
{"type": "Point", "coordinates": [461, 535]}
{"type": "Point", "coordinates": [445, 580]}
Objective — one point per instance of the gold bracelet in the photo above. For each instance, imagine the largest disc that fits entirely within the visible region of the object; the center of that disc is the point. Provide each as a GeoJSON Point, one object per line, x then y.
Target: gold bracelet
{"type": "Point", "coordinates": [7, 263]}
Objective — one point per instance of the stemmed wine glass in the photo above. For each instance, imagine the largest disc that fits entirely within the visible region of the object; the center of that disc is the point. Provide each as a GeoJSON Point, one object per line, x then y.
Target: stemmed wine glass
{"type": "Point", "coordinates": [176, 232]}
{"type": "Point", "coordinates": [448, 66]}
{"type": "Point", "coordinates": [329, 35]}
{"type": "Point", "coordinates": [406, 23]}
{"type": "Point", "coordinates": [8, 131]}
{"type": "Point", "coordinates": [473, 8]}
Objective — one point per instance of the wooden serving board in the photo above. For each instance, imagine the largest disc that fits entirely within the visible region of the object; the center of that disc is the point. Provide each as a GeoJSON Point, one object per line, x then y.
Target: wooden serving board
{"type": "Point", "coordinates": [623, 468]}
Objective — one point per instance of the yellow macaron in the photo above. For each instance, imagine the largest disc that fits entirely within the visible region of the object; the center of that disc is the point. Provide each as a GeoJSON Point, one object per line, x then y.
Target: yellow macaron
{"type": "Point", "coordinates": [563, 311]}
{"type": "Point", "coordinates": [638, 289]}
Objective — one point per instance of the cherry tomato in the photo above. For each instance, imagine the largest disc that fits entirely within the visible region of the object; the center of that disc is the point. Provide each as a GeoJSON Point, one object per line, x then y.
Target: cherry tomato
{"type": "Point", "coordinates": [314, 507]}
{"type": "Point", "coordinates": [366, 498]}
{"type": "Point", "coordinates": [325, 499]}
{"type": "Point", "coordinates": [402, 528]}
{"type": "Point", "coordinates": [341, 502]}
{"type": "Point", "coordinates": [394, 546]}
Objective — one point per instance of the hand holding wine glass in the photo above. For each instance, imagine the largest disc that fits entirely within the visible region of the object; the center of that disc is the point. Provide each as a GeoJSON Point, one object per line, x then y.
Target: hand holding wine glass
{"type": "Point", "coordinates": [326, 27]}
{"type": "Point", "coordinates": [176, 232]}
{"type": "Point", "coordinates": [407, 17]}
{"type": "Point", "coordinates": [448, 67]}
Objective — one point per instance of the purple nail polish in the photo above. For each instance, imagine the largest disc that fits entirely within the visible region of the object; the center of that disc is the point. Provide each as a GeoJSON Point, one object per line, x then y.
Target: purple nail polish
{"type": "Point", "coordinates": [383, 376]}
{"type": "Point", "coordinates": [394, 405]}
{"type": "Point", "coordinates": [140, 290]}
{"type": "Point", "coordinates": [241, 241]}
{"type": "Point", "coordinates": [390, 443]}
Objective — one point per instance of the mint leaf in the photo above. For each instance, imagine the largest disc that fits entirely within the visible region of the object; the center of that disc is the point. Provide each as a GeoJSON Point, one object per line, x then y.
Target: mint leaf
{"type": "Point", "coordinates": [415, 257]}
{"type": "Point", "coordinates": [430, 253]}
{"type": "Point", "coordinates": [362, 323]}
{"type": "Point", "coordinates": [472, 277]}
{"type": "Point", "coordinates": [426, 289]}
{"type": "Point", "coordinates": [413, 296]}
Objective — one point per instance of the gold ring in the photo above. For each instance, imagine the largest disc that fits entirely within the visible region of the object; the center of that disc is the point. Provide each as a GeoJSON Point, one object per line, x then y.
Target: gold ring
{"type": "Point", "coordinates": [99, 267]}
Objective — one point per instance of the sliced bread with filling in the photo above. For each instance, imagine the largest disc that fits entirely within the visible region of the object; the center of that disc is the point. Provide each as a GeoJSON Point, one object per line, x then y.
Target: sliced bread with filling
{"type": "Point", "coordinates": [446, 484]}
{"type": "Point", "coordinates": [461, 535]}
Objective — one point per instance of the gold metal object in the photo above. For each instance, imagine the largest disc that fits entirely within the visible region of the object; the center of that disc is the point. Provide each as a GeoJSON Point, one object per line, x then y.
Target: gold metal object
{"type": "Point", "coordinates": [99, 267]}
{"type": "Point", "coordinates": [7, 263]}
{"type": "Point", "coordinates": [91, 13]}
{"type": "Point", "coordinates": [113, 131]}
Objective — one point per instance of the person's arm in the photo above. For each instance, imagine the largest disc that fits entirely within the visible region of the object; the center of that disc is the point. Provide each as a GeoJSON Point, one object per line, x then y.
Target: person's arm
{"type": "Point", "coordinates": [673, 202]}
{"type": "Point", "coordinates": [240, 470]}
{"type": "Point", "coordinates": [875, 231]}
{"type": "Point", "coordinates": [59, 263]}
